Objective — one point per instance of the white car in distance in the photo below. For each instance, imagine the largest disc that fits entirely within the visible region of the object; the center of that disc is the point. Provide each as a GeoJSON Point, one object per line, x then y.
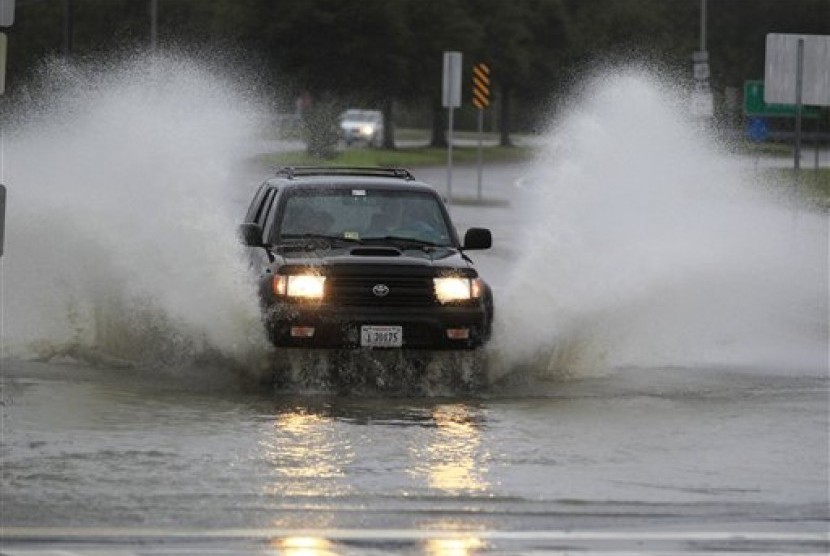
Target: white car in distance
{"type": "Point", "coordinates": [362, 127]}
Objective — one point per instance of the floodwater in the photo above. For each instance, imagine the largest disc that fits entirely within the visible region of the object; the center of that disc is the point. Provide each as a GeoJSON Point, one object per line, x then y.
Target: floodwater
{"type": "Point", "coordinates": [703, 451]}
{"type": "Point", "coordinates": [658, 381]}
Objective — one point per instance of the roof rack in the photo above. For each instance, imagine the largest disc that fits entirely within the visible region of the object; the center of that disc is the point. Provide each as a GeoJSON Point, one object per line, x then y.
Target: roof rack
{"type": "Point", "coordinates": [294, 171]}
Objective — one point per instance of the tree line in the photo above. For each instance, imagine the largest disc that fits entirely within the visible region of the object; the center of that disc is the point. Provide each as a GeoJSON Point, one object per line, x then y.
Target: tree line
{"type": "Point", "coordinates": [388, 53]}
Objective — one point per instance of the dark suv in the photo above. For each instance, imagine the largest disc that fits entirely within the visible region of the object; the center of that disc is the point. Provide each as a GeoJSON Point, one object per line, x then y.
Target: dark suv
{"type": "Point", "coordinates": [364, 258]}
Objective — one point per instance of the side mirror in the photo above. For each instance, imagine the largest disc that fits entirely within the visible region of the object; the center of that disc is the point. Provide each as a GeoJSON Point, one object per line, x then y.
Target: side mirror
{"type": "Point", "coordinates": [251, 234]}
{"type": "Point", "coordinates": [478, 238]}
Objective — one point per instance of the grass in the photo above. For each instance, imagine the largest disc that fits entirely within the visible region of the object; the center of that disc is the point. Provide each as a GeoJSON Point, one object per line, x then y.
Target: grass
{"type": "Point", "coordinates": [765, 149]}
{"type": "Point", "coordinates": [814, 184]}
{"type": "Point", "coordinates": [406, 158]}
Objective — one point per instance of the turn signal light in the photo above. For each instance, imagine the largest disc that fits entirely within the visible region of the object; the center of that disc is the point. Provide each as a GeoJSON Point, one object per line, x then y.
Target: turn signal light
{"type": "Point", "coordinates": [302, 331]}
{"type": "Point", "coordinates": [458, 333]}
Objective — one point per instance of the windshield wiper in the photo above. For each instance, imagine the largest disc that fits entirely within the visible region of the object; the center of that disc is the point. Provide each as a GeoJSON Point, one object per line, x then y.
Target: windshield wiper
{"type": "Point", "coordinates": [422, 243]}
{"type": "Point", "coordinates": [307, 241]}
{"type": "Point", "coordinates": [327, 237]}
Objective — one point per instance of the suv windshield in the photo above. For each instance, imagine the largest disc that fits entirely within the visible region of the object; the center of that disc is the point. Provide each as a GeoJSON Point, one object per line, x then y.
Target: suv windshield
{"type": "Point", "coordinates": [366, 215]}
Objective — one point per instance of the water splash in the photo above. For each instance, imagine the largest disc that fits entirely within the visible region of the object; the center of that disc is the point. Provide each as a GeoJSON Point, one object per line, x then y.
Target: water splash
{"type": "Point", "coordinates": [383, 372]}
{"type": "Point", "coordinates": [651, 244]}
{"type": "Point", "coordinates": [122, 185]}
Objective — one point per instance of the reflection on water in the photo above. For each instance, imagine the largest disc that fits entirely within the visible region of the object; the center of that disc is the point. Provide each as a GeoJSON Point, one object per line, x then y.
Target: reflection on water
{"type": "Point", "coordinates": [318, 457]}
{"type": "Point", "coordinates": [303, 546]}
{"type": "Point", "coordinates": [307, 455]}
{"type": "Point", "coordinates": [461, 546]}
{"type": "Point", "coordinates": [453, 458]}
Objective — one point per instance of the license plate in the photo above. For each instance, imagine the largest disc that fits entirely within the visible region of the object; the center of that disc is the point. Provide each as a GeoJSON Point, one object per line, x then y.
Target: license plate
{"type": "Point", "coordinates": [381, 336]}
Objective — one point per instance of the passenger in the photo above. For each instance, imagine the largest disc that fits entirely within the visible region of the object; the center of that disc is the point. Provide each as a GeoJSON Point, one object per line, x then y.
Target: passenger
{"type": "Point", "coordinates": [397, 219]}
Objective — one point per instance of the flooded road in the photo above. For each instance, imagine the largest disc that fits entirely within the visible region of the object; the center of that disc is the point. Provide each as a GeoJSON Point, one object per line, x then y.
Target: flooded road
{"type": "Point", "coordinates": [643, 450]}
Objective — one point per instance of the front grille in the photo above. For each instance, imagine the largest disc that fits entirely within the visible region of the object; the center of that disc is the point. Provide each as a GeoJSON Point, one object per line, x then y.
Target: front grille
{"type": "Point", "coordinates": [403, 291]}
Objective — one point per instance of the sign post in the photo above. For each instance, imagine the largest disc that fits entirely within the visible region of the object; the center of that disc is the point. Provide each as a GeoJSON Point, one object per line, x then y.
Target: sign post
{"type": "Point", "coordinates": [451, 98]}
{"type": "Point", "coordinates": [799, 97]}
{"type": "Point", "coordinates": [702, 104]}
{"type": "Point", "coordinates": [6, 20]}
{"type": "Point", "coordinates": [481, 100]}
{"type": "Point", "coordinates": [2, 216]}
{"type": "Point", "coordinates": [4, 44]}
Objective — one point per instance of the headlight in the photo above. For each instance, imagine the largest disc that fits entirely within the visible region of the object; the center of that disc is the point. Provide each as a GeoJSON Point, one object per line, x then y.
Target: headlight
{"type": "Point", "coordinates": [367, 130]}
{"type": "Point", "coordinates": [454, 288]}
{"type": "Point", "coordinates": [307, 286]}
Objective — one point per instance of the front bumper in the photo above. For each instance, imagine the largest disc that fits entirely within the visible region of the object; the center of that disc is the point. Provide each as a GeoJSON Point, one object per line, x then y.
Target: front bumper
{"type": "Point", "coordinates": [339, 327]}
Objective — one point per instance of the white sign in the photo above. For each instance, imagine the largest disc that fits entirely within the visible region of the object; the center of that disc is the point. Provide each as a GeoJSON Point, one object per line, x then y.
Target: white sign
{"type": "Point", "coordinates": [451, 84]}
{"type": "Point", "coordinates": [701, 71]}
{"type": "Point", "coordinates": [6, 13]}
{"type": "Point", "coordinates": [781, 69]}
{"type": "Point", "coordinates": [702, 104]}
{"type": "Point", "coordinates": [701, 60]}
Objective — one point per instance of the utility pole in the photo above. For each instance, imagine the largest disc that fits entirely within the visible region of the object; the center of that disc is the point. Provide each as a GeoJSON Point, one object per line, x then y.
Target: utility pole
{"type": "Point", "coordinates": [154, 17]}
{"type": "Point", "coordinates": [68, 27]}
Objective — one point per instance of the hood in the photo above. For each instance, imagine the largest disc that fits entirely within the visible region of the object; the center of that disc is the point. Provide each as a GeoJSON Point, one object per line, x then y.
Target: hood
{"type": "Point", "coordinates": [439, 258]}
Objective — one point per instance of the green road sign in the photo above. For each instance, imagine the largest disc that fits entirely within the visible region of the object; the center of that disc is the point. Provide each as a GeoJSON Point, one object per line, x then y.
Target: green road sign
{"type": "Point", "coordinates": [754, 104]}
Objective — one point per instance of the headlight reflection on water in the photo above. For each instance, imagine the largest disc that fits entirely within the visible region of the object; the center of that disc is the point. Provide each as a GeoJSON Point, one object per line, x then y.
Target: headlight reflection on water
{"type": "Point", "coordinates": [313, 459]}
{"type": "Point", "coordinates": [453, 459]}
{"type": "Point", "coordinates": [307, 455]}
{"type": "Point", "coordinates": [462, 546]}
{"type": "Point", "coordinates": [319, 546]}
{"type": "Point", "coordinates": [303, 546]}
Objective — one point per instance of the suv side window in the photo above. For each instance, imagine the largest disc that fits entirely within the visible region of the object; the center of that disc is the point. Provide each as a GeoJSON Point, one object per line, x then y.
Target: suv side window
{"type": "Point", "coordinates": [265, 207]}
{"type": "Point", "coordinates": [256, 203]}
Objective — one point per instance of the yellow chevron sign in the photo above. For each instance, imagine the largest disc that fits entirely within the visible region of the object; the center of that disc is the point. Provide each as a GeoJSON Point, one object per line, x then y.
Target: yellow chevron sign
{"type": "Point", "coordinates": [481, 86]}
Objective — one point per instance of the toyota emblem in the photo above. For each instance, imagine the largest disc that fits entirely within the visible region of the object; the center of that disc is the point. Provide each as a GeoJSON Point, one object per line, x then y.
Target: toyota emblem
{"type": "Point", "coordinates": [380, 290]}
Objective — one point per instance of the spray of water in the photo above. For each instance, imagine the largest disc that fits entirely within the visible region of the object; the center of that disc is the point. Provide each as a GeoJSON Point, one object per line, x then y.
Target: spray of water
{"type": "Point", "coordinates": [648, 243]}
{"type": "Point", "coordinates": [652, 245]}
{"type": "Point", "coordinates": [121, 214]}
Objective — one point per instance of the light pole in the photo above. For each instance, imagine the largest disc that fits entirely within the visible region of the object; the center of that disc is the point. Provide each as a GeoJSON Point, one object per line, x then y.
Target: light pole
{"type": "Point", "coordinates": [68, 25]}
{"type": "Point", "coordinates": [154, 28]}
